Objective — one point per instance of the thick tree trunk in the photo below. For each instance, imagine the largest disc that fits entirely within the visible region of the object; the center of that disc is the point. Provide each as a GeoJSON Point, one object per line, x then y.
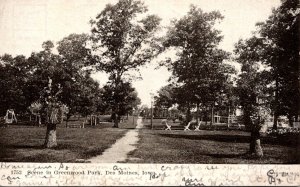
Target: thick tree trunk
{"type": "Point", "coordinates": [115, 120]}
{"type": "Point", "coordinates": [255, 147]}
{"type": "Point", "coordinates": [50, 140]}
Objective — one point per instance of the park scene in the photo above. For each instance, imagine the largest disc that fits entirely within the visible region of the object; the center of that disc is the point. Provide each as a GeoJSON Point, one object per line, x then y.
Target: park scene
{"type": "Point", "coordinates": [136, 87]}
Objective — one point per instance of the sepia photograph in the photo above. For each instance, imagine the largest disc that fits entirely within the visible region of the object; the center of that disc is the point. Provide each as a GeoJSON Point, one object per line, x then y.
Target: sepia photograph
{"type": "Point", "coordinates": [135, 82]}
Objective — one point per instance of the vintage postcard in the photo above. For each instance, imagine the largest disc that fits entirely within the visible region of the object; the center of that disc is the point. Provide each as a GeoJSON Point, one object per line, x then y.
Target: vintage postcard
{"type": "Point", "coordinates": [149, 92]}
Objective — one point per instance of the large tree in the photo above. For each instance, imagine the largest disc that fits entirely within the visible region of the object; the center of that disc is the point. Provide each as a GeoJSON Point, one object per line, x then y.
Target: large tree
{"type": "Point", "coordinates": [44, 87]}
{"type": "Point", "coordinates": [123, 42]}
{"type": "Point", "coordinates": [276, 45]}
{"type": "Point", "coordinates": [68, 78]}
{"type": "Point", "coordinates": [80, 91]}
{"type": "Point", "coordinates": [279, 49]}
{"type": "Point", "coordinates": [164, 100]}
{"type": "Point", "coordinates": [125, 95]}
{"type": "Point", "coordinates": [199, 69]}
{"type": "Point", "coordinates": [252, 91]}
{"type": "Point", "coordinates": [13, 78]}
{"type": "Point", "coordinates": [165, 97]}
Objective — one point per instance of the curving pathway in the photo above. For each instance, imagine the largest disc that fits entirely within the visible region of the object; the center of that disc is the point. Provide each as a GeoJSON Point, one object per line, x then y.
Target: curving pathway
{"type": "Point", "coordinates": [119, 150]}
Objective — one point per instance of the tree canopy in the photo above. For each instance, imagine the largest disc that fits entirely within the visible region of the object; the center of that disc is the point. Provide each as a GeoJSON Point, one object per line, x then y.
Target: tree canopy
{"type": "Point", "coordinates": [123, 41]}
{"type": "Point", "coordinates": [275, 46]}
{"type": "Point", "coordinates": [199, 70]}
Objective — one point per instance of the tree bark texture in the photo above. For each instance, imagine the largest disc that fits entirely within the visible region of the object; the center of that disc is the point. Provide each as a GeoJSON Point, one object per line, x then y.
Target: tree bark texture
{"type": "Point", "coordinates": [50, 140]}
{"type": "Point", "coordinates": [51, 121]}
{"type": "Point", "coordinates": [255, 146]}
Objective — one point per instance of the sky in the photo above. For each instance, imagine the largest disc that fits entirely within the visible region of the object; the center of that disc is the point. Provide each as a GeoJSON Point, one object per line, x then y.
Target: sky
{"type": "Point", "coordinates": [26, 24]}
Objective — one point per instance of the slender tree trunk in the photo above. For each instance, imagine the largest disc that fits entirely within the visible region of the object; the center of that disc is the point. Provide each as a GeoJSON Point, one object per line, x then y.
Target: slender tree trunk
{"type": "Point", "coordinates": [50, 140]}
{"type": "Point", "coordinates": [290, 117]}
{"type": "Point", "coordinates": [116, 121]}
{"type": "Point", "coordinates": [275, 120]}
{"type": "Point", "coordinates": [39, 121]}
{"type": "Point", "coordinates": [197, 113]}
{"type": "Point", "coordinates": [67, 120]}
{"type": "Point", "coordinates": [228, 119]}
{"type": "Point", "coordinates": [62, 116]}
{"type": "Point", "coordinates": [206, 114]}
{"type": "Point", "coordinates": [212, 115]}
{"type": "Point", "coordinates": [188, 113]}
{"type": "Point", "coordinates": [276, 106]}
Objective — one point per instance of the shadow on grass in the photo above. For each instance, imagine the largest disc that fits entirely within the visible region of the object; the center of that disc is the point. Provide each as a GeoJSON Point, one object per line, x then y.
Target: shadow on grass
{"type": "Point", "coordinates": [237, 139]}
{"type": "Point", "coordinates": [21, 146]}
{"type": "Point", "coordinates": [62, 146]}
{"type": "Point", "coordinates": [221, 155]}
{"type": "Point", "coordinates": [220, 138]}
{"type": "Point", "coordinates": [93, 153]}
{"type": "Point", "coordinates": [127, 128]}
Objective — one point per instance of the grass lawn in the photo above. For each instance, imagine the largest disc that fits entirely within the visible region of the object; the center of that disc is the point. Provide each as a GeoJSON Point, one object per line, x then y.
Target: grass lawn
{"type": "Point", "coordinates": [207, 146]}
{"type": "Point", "coordinates": [24, 143]}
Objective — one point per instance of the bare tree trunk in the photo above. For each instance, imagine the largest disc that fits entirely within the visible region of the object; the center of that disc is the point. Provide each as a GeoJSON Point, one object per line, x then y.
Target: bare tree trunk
{"type": "Point", "coordinates": [50, 140]}
{"type": "Point", "coordinates": [197, 113]}
{"type": "Point", "coordinates": [255, 147]}
{"type": "Point", "coordinates": [188, 113]}
{"type": "Point", "coordinates": [62, 116]}
{"type": "Point", "coordinates": [290, 117]}
{"type": "Point", "coordinates": [212, 115]}
{"type": "Point", "coordinates": [67, 122]}
{"type": "Point", "coordinates": [275, 120]}
{"type": "Point", "coordinates": [228, 119]}
{"type": "Point", "coordinates": [116, 121]}
{"type": "Point", "coordinates": [276, 107]}
{"type": "Point", "coordinates": [39, 121]}
{"type": "Point", "coordinates": [205, 114]}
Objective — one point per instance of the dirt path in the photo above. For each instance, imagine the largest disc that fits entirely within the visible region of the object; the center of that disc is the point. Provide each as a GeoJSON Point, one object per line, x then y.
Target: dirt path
{"type": "Point", "coordinates": [118, 151]}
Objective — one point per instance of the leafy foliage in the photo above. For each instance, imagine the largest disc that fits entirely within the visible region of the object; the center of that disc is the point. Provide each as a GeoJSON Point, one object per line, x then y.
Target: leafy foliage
{"type": "Point", "coordinates": [200, 75]}
{"type": "Point", "coordinates": [126, 96]}
{"type": "Point", "coordinates": [13, 76]}
{"type": "Point", "coordinates": [123, 42]}
{"type": "Point", "coordinates": [275, 45]}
